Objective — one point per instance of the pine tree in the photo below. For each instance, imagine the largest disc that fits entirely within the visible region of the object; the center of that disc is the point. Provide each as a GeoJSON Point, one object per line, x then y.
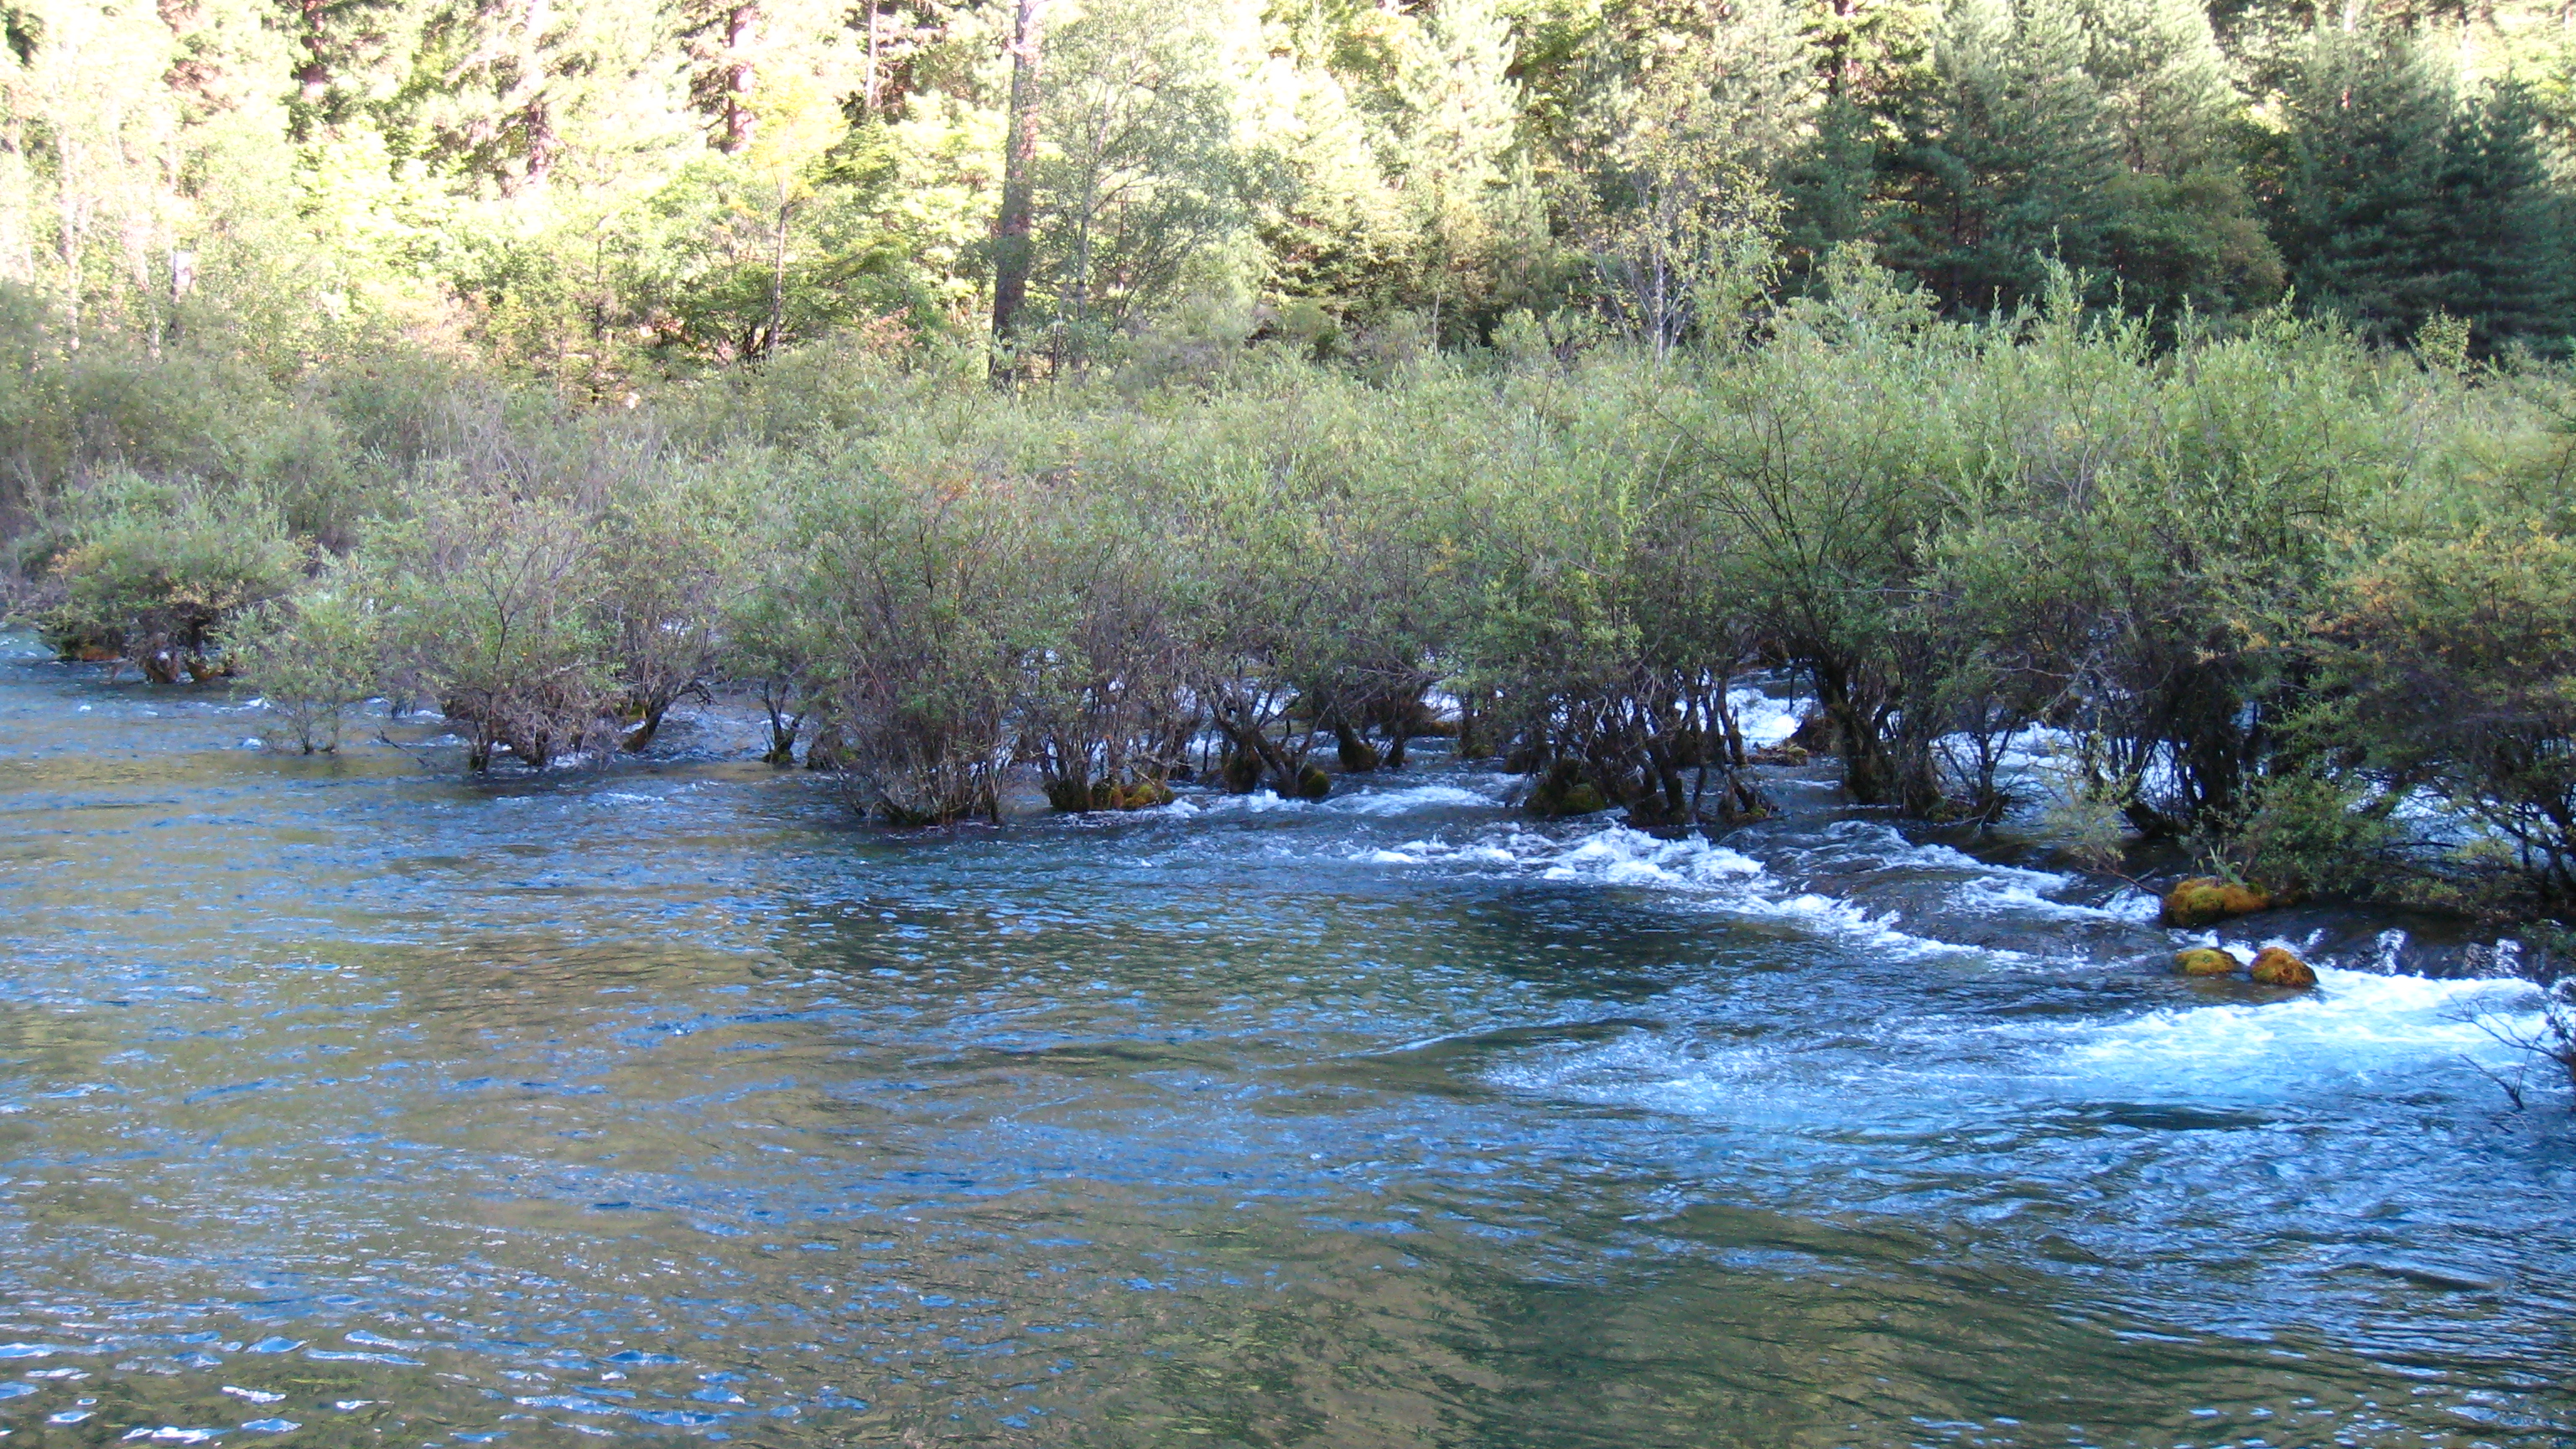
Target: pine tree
{"type": "Point", "coordinates": [2502, 230]}
{"type": "Point", "coordinates": [2009, 161]}
{"type": "Point", "coordinates": [2164, 83]}
{"type": "Point", "coordinates": [2184, 233]}
{"type": "Point", "coordinates": [2354, 189]}
{"type": "Point", "coordinates": [1830, 186]}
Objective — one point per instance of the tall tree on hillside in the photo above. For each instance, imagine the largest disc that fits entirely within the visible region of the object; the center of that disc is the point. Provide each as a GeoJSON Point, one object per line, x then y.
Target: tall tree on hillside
{"type": "Point", "coordinates": [1868, 51]}
{"type": "Point", "coordinates": [2353, 183]}
{"type": "Point", "coordinates": [1829, 186]}
{"type": "Point", "coordinates": [1451, 158]}
{"type": "Point", "coordinates": [1011, 243]}
{"type": "Point", "coordinates": [2184, 233]}
{"type": "Point", "coordinates": [2502, 235]}
{"type": "Point", "coordinates": [488, 87]}
{"type": "Point", "coordinates": [720, 36]}
{"type": "Point", "coordinates": [1674, 214]}
{"type": "Point", "coordinates": [2008, 160]}
{"type": "Point", "coordinates": [346, 49]}
{"type": "Point", "coordinates": [1144, 176]}
{"type": "Point", "coordinates": [2164, 83]}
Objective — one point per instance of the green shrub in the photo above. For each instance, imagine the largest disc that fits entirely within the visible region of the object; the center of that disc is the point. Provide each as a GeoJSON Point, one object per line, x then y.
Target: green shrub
{"type": "Point", "coordinates": [2450, 667]}
{"type": "Point", "coordinates": [150, 573]}
{"type": "Point", "coordinates": [314, 659]}
{"type": "Point", "coordinates": [488, 607]}
{"type": "Point", "coordinates": [917, 587]}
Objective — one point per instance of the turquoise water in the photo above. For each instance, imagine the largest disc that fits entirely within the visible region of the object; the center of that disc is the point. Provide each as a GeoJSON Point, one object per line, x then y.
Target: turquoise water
{"type": "Point", "coordinates": [342, 1102]}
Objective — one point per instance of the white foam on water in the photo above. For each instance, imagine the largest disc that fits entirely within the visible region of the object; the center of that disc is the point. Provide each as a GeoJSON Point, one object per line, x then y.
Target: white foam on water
{"type": "Point", "coordinates": [1409, 799]}
{"type": "Point", "coordinates": [1641, 1069]}
{"type": "Point", "coordinates": [1855, 926]}
{"type": "Point", "coordinates": [2134, 906]}
{"type": "Point", "coordinates": [2358, 1026]}
{"type": "Point", "coordinates": [1620, 856]}
{"type": "Point", "coordinates": [1259, 802]}
{"type": "Point", "coordinates": [1691, 869]}
{"type": "Point", "coordinates": [1764, 721]}
{"type": "Point", "coordinates": [1869, 840]}
{"type": "Point", "coordinates": [2353, 1023]}
{"type": "Point", "coordinates": [2003, 895]}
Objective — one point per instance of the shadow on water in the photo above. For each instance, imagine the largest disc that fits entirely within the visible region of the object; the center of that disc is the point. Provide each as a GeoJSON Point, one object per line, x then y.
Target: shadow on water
{"type": "Point", "coordinates": [341, 1102]}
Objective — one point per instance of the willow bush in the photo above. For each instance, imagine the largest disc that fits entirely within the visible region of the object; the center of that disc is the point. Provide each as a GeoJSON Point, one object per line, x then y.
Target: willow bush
{"type": "Point", "coordinates": [2265, 589]}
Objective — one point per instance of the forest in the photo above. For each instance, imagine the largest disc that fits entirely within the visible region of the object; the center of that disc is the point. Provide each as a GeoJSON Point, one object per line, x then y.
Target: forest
{"type": "Point", "coordinates": [1111, 394]}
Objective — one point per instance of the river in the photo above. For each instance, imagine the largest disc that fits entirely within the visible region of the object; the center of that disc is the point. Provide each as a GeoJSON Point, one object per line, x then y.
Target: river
{"type": "Point", "coordinates": [343, 1101]}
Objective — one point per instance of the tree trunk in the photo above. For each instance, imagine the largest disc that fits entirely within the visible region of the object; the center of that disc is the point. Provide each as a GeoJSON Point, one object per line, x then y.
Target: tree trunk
{"type": "Point", "coordinates": [868, 93]}
{"type": "Point", "coordinates": [778, 276]}
{"type": "Point", "coordinates": [1868, 773]}
{"type": "Point", "coordinates": [739, 22]}
{"type": "Point", "coordinates": [1019, 162]}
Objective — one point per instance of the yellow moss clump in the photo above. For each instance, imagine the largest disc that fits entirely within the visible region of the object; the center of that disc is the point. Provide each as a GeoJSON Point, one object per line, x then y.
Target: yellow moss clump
{"type": "Point", "coordinates": [2206, 899]}
{"type": "Point", "coordinates": [1142, 794]}
{"type": "Point", "coordinates": [2206, 961]}
{"type": "Point", "coordinates": [2274, 966]}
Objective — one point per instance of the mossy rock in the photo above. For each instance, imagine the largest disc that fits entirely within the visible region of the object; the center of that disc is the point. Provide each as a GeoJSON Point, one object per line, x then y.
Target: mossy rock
{"type": "Point", "coordinates": [2206, 961]}
{"type": "Point", "coordinates": [1240, 774]}
{"type": "Point", "coordinates": [1564, 791]}
{"type": "Point", "coordinates": [1143, 794]}
{"type": "Point", "coordinates": [1313, 783]}
{"type": "Point", "coordinates": [1650, 812]}
{"type": "Point", "coordinates": [1815, 734]}
{"type": "Point", "coordinates": [2205, 899]}
{"type": "Point", "coordinates": [2277, 966]}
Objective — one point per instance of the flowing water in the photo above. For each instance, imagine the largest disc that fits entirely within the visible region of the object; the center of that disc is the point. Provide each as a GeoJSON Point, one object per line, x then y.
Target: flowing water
{"type": "Point", "coordinates": [342, 1102]}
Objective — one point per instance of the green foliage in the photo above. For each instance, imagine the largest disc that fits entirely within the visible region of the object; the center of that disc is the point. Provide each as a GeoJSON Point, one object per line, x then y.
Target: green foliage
{"type": "Point", "coordinates": [486, 609]}
{"type": "Point", "coordinates": [2313, 834]}
{"type": "Point", "coordinates": [920, 596]}
{"type": "Point", "coordinates": [601, 198]}
{"type": "Point", "coordinates": [2011, 158]}
{"type": "Point", "coordinates": [2010, 370]}
{"type": "Point", "coordinates": [2449, 666]}
{"type": "Point", "coordinates": [2396, 195]}
{"type": "Point", "coordinates": [151, 573]}
{"type": "Point", "coordinates": [314, 661]}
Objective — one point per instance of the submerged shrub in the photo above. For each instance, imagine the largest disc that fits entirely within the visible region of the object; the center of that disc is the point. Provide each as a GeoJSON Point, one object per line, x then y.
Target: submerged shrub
{"type": "Point", "coordinates": [918, 591]}
{"type": "Point", "coordinates": [1105, 715]}
{"type": "Point", "coordinates": [314, 660]}
{"type": "Point", "coordinates": [2450, 667]}
{"type": "Point", "coordinates": [666, 567]}
{"type": "Point", "coordinates": [151, 573]}
{"type": "Point", "coordinates": [488, 610]}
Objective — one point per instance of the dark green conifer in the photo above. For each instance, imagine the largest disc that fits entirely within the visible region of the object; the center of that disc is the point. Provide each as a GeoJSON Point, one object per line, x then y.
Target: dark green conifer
{"type": "Point", "coordinates": [2355, 184]}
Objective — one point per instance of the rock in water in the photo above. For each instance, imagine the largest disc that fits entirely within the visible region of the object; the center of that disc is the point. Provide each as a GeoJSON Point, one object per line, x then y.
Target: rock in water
{"type": "Point", "coordinates": [2205, 898]}
{"type": "Point", "coordinates": [1143, 794]}
{"type": "Point", "coordinates": [2274, 966]}
{"type": "Point", "coordinates": [2206, 961]}
{"type": "Point", "coordinates": [1313, 784]}
{"type": "Point", "coordinates": [1563, 791]}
